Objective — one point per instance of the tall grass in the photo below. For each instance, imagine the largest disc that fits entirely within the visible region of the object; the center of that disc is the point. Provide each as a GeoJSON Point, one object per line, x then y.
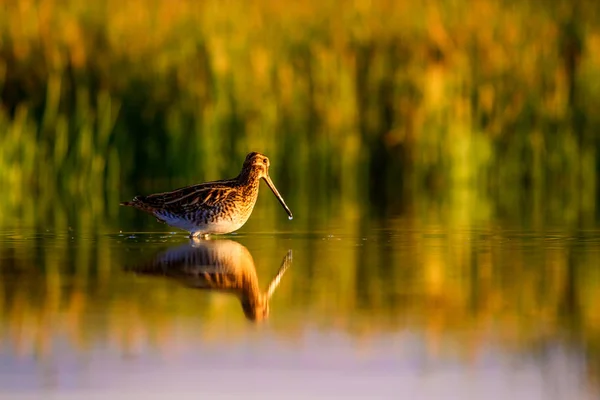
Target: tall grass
{"type": "Point", "coordinates": [351, 97]}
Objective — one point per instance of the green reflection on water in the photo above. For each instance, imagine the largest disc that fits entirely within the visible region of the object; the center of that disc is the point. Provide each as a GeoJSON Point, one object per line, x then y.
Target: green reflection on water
{"type": "Point", "coordinates": [460, 289]}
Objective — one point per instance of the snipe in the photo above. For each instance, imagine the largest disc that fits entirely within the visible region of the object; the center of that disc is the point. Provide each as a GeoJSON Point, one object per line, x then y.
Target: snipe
{"type": "Point", "coordinates": [217, 207]}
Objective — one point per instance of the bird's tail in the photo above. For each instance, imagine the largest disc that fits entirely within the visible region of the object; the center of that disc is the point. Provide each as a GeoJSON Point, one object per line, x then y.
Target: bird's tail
{"type": "Point", "coordinates": [138, 203]}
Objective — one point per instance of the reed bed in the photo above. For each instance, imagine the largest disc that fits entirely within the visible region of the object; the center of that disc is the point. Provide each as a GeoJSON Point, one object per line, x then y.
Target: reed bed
{"type": "Point", "coordinates": [441, 93]}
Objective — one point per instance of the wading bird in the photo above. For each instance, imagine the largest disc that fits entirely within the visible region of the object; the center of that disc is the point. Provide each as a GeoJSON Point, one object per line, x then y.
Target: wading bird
{"type": "Point", "coordinates": [217, 207]}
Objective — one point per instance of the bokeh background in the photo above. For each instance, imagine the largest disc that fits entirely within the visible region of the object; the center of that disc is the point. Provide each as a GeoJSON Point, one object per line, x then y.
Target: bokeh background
{"type": "Point", "coordinates": [378, 116]}
{"type": "Point", "coordinates": [494, 101]}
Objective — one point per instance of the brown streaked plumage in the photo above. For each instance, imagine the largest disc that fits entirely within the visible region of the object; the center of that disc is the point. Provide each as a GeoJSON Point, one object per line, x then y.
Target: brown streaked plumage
{"type": "Point", "coordinates": [214, 207]}
{"type": "Point", "coordinates": [217, 265]}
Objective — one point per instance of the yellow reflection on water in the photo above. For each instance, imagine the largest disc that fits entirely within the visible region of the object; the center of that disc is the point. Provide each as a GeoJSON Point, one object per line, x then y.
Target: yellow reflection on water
{"type": "Point", "coordinates": [461, 292]}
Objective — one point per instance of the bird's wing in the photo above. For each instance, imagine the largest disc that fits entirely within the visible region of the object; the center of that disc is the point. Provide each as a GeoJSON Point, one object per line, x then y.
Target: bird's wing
{"type": "Point", "coordinates": [197, 196]}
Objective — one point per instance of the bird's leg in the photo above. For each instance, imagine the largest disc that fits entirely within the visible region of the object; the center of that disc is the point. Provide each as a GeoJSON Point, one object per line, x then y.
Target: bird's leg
{"type": "Point", "coordinates": [199, 236]}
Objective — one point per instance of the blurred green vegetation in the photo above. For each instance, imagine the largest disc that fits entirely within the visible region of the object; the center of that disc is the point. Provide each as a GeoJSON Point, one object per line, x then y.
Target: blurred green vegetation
{"type": "Point", "coordinates": [383, 97]}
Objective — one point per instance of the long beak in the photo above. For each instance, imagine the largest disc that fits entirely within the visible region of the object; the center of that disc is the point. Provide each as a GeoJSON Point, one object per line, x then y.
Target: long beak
{"type": "Point", "coordinates": [274, 189]}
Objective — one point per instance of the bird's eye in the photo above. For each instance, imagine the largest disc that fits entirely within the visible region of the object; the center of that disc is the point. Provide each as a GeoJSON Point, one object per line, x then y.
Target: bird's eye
{"type": "Point", "coordinates": [264, 160]}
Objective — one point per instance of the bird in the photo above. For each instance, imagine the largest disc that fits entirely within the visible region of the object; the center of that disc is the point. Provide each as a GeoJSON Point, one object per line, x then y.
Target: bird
{"type": "Point", "coordinates": [220, 265]}
{"type": "Point", "coordinates": [217, 207]}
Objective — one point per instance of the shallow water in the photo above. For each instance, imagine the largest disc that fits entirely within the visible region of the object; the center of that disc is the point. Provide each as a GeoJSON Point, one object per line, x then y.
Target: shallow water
{"type": "Point", "coordinates": [389, 309]}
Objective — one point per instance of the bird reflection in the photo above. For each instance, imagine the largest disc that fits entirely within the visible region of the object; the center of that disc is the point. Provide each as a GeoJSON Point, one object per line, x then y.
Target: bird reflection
{"type": "Point", "coordinates": [220, 265]}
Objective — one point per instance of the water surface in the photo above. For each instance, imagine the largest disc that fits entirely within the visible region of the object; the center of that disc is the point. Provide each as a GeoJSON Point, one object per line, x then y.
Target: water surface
{"type": "Point", "coordinates": [388, 309]}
